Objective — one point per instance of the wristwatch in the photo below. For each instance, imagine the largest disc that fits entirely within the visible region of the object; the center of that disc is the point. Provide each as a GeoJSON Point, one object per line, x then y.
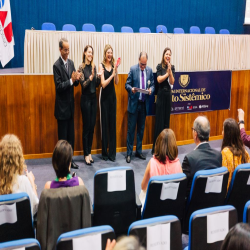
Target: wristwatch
{"type": "Point", "coordinates": [241, 122]}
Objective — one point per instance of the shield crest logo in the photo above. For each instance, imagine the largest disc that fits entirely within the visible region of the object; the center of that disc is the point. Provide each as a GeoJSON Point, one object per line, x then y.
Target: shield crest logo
{"type": "Point", "coordinates": [184, 80]}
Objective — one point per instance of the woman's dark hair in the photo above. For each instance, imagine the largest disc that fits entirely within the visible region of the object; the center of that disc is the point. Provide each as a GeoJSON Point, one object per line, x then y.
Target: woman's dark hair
{"type": "Point", "coordinates": [61, 158]}
{"type": "Point", "coordinates": [232, 139]}
{"type": "Point", "coordinates": [162, 60]}
{"type": "Point", "coordinates": [238, 238]}
{"type": "Point", "coordinates": [166, 146]}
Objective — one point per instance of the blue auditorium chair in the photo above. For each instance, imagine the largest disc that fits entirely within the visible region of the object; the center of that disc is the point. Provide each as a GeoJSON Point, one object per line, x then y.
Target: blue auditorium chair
{"type": "Point", "coordinates": [198, 199]}
{"type": "Point", "coordinates": [28, 244]}
{"type": "Point", "coordinates": [224, 32]}
{"type": "Point", "coordinates": [48, 26]}
{"type": "Point", "coordinates": [239, 189]}
{"type": "Point", "coordinates": [178, 31]}
{"type": "Point", "coordinates": [68, 27]}
{"type": "Point", "coordinates": [198, 227]}
{"type": "Point", "coordinates": [23, 227]}
{"type": "Point", "coordinates": [65, 241]}
{"type": "Point", "coordinates": [246, 213]}
{"type": "Point", "coordinates": [209, 30]}
{"type": "Point", "coordinates": [126, 29]}
{"type": "Point", "coordinates": [139, 229]}
{"type": "Point", "coordinates": [115, 208]}
{"type": "Point", "coordinates": [144, 30]}
{"type": "Point", "coordinates": [154, 206]}
{"type": "Point", "coordinates": [108, 28]}
{"type": "Point", "coordinates": [89, 27]}
{"type": "Point", "coordinates": [194, 30]}
{"type": "Point", "coordinates": [161, 29]}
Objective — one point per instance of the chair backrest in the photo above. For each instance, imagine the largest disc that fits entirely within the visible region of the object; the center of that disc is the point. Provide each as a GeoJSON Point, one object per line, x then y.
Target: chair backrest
{"type": "Point", "coordinates": [89, 27]}
{"type": "Point", "coordinates": [200, 226]}
{"type": "Point", "coordinates": [114, 208]}
{"type": "Point", "coordinates": [246, 213]}
{"type": "Point", "coordinates": [224, 31]}
{"type": "Point", "coordinates": [17, 222]}
{"type": "Point", "coordinates": [140, 229]}
{"type": "Point", "coordinates": [48, 26]}
{"type": "Point", "coordinates": [29, 244]}
{"type": "Point", "coordinates": [144, 30]}
{"type": "Point", "coordinates": [209, 30]}
{"type": "Point", "coordinates": [178, 31]}
{"type": "Point", "coordinates": [157, 205]}
{"type": "Point", "coordinates": [161, 29]}
{"type": "Point", "coordinates": [126, 29]}
{"type": "Point", "coordinates": [239, 189]}
{"type": "Point", "coordinates": [201, 196]}
{"type": "Point", "coordinates": [69, 27]}
{"type": "Point", "coordinates": [194, 30]}
{"type": "Point", "coordinates": [62, 210]}
{"type": "Point", "coordinates": [108, 28]}
{"type": "Point", "coordinates": [81, 236]}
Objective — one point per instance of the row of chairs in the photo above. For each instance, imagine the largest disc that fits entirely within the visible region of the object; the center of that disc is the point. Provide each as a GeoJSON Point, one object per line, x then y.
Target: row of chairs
{"type": "Point", "coordinates": [198, 232]}
{"type": "Point", "coordinates": [125, 29]}
{"type": "Point", "coordinates": [121, 207]}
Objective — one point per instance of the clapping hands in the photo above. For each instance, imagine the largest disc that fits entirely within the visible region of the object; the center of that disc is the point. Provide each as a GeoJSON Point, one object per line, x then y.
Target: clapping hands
{"type": "Point", "coordinates": [75, 76]}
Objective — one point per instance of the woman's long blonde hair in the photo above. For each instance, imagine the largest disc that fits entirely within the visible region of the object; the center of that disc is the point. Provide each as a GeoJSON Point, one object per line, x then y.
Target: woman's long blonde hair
{"type": "Point", "coordinates": [84, 58]}
{"type": "Point", "coordinates": [107, 47]}
{"type": "Point", "coordinates": [11, 162]}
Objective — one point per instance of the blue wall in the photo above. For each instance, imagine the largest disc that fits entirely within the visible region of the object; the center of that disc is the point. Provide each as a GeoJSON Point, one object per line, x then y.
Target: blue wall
{"type": "Point", "coordinates": [228, 14]}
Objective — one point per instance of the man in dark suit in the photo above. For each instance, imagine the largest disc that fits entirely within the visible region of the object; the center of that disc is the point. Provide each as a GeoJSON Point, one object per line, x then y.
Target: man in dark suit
{"type": "Point", "coordinates": [65, 78]}
{"type": "Point", "coordinates": [139, 76]}
{"type": "Point", "coordinates": [203, 156]}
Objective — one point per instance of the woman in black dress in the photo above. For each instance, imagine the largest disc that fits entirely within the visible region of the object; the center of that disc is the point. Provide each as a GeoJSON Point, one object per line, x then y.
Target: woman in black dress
{"type": "Point", "coordinates": [165, 78]}
{"type": "Point", "coordinates": [108, 104]}
{"type": "Point", "coordinates": [89, 82]}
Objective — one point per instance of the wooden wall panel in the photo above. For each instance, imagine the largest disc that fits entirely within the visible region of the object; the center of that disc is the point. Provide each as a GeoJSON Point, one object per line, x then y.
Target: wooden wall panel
{"type": "Point", "coordinates": [27, 110]}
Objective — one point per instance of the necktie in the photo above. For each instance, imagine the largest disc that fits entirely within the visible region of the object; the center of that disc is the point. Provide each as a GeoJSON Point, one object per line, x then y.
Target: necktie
{"type": "Point", "coordinates": [66, 66]}
{"type": "Point", "coordinates": [143, 85]}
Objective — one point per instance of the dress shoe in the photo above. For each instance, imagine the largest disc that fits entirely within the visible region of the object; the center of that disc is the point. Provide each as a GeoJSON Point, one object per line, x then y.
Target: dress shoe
{"type": "Point", "coordinates": [141, 156]}
{"type": "Point", "coordinates": [105, 158]}
{"type": "Point", "coordinates": [128, 158]}
{"type": "Point", "coordinates": [112, 159]}
{"type": "Point", "coordinates": [74, 165]}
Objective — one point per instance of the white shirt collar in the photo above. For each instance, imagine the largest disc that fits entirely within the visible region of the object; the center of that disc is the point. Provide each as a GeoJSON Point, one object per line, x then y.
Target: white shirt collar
{"type": "Point", "coordinates": [200, 144]}
{"type": "Point", "coordinates": [64, 61]}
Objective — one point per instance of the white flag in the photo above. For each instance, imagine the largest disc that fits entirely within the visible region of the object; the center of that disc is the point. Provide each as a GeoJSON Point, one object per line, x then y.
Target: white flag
{"type": "Point", "coordinates": [6, 33]}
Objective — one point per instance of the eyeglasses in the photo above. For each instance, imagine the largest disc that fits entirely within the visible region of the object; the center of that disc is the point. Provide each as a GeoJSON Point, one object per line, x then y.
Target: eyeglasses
{"type": "Point", "coordinates": [193, 129]}
{"type": "Point", "coordinates": [143, 64]}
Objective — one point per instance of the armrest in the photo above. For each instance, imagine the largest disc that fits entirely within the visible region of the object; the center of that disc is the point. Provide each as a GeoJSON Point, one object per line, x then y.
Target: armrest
{"type": "Point", "coordinates": [138, 207]}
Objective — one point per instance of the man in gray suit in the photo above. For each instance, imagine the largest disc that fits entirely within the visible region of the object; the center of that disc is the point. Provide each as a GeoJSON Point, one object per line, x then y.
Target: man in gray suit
{"type": "Point", "coordinates": [139, 76]}
{"type": "Point", "coordinates": [65, 78]}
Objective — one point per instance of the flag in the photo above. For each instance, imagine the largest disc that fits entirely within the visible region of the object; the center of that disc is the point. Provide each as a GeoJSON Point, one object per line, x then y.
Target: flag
{"type": "Point", "coordinates": [6, 33]}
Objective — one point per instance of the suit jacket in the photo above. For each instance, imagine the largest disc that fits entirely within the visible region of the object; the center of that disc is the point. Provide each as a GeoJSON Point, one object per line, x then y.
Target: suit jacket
{"type": "Point", "coordinates": [64, 104]}
{"type": "Point", "coordinates": [133, 80]}
{"type": "Point", "coordinates": [202, 158]}
{"type": "Point", "coordinates": [62, 210]}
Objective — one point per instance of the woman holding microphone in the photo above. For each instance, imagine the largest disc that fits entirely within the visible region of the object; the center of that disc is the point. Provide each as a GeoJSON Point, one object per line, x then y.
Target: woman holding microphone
{"type": "Point", "coordinates": [165, 78]}
{"type": "Point", "coordinates": [108, 103]}
{"type": "Point", "coordinates": [89, 81]}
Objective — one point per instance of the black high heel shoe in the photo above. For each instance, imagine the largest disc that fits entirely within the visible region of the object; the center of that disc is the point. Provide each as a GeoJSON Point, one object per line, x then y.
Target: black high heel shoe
{"type": "Point", "coordinates": [87, 163]}
{"type": "Point", "coordinates": [92, 161]}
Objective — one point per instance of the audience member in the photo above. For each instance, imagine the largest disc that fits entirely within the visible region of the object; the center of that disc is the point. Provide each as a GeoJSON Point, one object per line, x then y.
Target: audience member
{"type": "Point", "coordinates": [165, 160]}
{"type": "Point", "coordinates": [232, 148]}
{"type": "Point", "coordinates": [12, 168]}
{"type": "Point", "coordinates": [203, 156]}
{"type": "Point", "coordinates": [244, 136]}
{"type": "Point", "coordinates": [124, 243]}
{"type": "Point", "coordinates": [61, 161]}
{"type": "Point", "coordinates": [238, 238]}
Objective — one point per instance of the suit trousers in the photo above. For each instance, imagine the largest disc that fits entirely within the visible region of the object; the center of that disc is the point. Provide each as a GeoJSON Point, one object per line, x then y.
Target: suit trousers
{"type": "Point", "coordinates": [66, 130]}
{"type": "Point", "coordinates": [89, 109]}
{"type": "Point", "coordinates": [138, 118]}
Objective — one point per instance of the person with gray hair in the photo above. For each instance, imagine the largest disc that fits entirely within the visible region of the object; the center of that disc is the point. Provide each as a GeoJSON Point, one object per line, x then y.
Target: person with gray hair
{"type": "Point", "coordinates": [140, 77]}
{"type": "Point", "coordinates": [203, 156]}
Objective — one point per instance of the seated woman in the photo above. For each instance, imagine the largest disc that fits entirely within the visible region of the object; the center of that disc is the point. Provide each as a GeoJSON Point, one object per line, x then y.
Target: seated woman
{"type": "Point", "coordinates": [233, 150]}
{"type": "Point", "coordinates": [164, 161]}
{"type": "Point", "coordinates": [12, 168]}
{"type": "Point", "coordinates": [61, 161]}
